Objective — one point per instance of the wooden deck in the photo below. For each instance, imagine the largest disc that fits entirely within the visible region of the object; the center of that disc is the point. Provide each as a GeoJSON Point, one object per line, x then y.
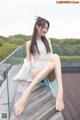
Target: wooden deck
{"type": "Point", "coordinates": [71, 84]}
{"type": "Point", "coordinates": [41, 103]}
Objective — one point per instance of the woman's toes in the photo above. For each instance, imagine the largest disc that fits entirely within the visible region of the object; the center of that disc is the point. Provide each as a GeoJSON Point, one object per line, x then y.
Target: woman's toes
{"type": "Point", "coordinates": [18, 109]}
{"type": "Point", "coordinates": [59, 107]}
{"type": "Point", "coordinates": [17, 112]}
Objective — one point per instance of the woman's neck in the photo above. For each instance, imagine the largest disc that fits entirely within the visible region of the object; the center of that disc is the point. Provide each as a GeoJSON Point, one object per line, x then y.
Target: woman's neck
{"type": "Point", "coordinates": [38, 37]}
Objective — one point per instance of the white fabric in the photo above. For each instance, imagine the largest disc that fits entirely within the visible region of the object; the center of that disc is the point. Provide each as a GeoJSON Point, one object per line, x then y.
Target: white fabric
{"type": "Point", "coordinates": [43, 53]}
{"type": "Point", "coordinates": [25, 71]}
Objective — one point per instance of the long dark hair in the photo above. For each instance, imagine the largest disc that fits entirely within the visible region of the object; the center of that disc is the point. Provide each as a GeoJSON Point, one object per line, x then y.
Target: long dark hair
{"type": "Point", "coordinates": [33, 46]}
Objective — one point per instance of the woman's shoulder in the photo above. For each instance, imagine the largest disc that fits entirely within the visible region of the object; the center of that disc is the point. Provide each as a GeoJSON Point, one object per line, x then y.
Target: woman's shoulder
{"type": "Point", "coordinates": [28, 42]}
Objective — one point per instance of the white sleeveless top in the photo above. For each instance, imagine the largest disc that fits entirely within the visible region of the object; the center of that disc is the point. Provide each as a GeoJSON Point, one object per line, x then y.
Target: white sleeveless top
{"type": "Point", "coordinates": [43, 53]}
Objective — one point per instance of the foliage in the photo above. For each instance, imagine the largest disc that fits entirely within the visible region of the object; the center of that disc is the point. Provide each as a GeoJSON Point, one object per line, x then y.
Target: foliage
{"type": "Point", "coordinates": [6, 49]}
{"type": "Point", "coordinates": [61, 46]}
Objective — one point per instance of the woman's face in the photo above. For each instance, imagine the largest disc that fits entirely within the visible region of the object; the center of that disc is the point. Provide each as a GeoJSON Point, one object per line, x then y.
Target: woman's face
{"type": "Point", "coordinates": [42, 30]}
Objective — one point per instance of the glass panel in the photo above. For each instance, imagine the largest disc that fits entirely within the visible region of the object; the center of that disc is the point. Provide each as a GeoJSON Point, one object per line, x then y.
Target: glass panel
{"type": "Point", "coordinates": [8, 68]}
{"type": "Point", "coordinates": [69, 54]}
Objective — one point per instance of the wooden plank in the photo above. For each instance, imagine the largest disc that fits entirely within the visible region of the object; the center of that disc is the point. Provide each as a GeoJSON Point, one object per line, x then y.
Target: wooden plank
{"type": "Point", "coordinates": [36, 101]}
{"type": "Point", "coordinates": [70, 99]}
{"type": "Point", "coordinates": [71, 84]}
{"type": "Point", "coordinates": [57, 116]}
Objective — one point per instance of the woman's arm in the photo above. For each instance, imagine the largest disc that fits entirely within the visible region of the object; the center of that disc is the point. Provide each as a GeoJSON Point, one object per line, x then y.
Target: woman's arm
{"type": "Point", "coordinates": [50, 45]}
{"type": "Point", "coordinates": [25, 70]}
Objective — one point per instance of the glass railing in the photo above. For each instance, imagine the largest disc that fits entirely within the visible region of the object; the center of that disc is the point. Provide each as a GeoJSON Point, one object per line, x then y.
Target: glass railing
{"type": "Point", "coordinates": [70, 55]}
{"type": "Point", "coordinates": [67, 50]}
{"type": "Point", "coordinates": [7, 85]}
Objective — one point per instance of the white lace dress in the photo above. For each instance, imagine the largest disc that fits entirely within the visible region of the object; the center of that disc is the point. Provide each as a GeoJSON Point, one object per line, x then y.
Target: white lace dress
{"type": "Point", "coordinates": [40, 63]}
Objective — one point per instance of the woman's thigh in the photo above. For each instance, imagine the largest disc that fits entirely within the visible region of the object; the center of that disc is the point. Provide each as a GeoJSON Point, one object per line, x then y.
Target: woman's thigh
{"type": "Point", "coordinates": [36, 70]}
{"type": "Point", "coordinates": [51, 75]}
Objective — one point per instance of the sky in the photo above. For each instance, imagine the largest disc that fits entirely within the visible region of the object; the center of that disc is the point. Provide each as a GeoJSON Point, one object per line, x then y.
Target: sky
{"type": "Point", "coordinates": [18, 17]}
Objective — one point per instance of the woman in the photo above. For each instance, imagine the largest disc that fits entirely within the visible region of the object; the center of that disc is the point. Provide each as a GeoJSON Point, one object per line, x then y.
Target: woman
{"type": "Point", "coordinates": [44, 63]}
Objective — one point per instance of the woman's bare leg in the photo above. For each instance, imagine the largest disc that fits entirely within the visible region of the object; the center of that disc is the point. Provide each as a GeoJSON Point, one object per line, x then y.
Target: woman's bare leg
{"type": "Point", "coordinates": [58, 76]}
{"type": "Point", "coordinates": [54, 67]}
{"type": "Point", "coordinates": [51, 75]}
{"type": "Point", "coordinates": [19, 106]}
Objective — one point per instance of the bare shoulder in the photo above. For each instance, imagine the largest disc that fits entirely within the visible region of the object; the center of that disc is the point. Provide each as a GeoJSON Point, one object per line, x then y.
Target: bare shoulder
{"type": "Point", "coordinates": [28, 42]}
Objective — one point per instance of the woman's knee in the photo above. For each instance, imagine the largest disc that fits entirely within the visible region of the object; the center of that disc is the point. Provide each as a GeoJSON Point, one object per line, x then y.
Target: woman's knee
{"type": "Point", "coordinates": [55, 57]}
{"type": "Point", "coordinates": [50, 65]}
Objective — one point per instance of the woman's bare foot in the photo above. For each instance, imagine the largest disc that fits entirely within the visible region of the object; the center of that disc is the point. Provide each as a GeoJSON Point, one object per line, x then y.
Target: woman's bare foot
{"type": "Point", "coordinates": [19, 107]}
{"type": "Point", "coordinates": [59, 103]}
{"type": "Point", "coordinates": [21, 103]}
